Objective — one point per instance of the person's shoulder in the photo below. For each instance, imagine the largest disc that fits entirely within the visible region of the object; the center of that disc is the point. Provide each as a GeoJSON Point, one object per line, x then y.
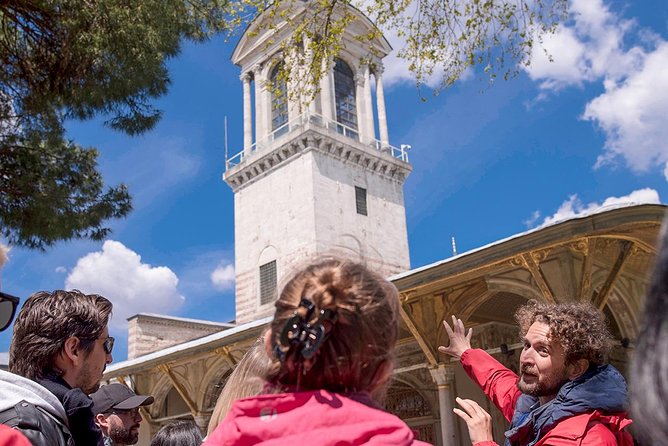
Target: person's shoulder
{"type": "Point", "coordinates": [589, 429]}
{"type": "Point", "coordinates": [38, 425]}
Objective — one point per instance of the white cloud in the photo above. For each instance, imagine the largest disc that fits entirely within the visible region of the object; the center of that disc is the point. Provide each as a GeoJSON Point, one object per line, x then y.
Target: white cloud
{"type": "Point", "coordinates": [633, 115]}
{"type": "Point", "coordinates": [560, 61]}
{"type": "Point", "coordinates": [573, 207]}
{"type": "Point", "coordinates": [631, 111]}
{"type": "Point", "coordinates": [588, 49]}
{"type": "Point", "coordinates": [118, 273]}
{"type": "Point", "coordinates": [61, 269]}
{"type": "Point", "coordinates": [223, 276]}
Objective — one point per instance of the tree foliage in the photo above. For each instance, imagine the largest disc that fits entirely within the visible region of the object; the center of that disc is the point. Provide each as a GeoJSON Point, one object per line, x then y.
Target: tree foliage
{"type": "Point", "coordinates": [442, 39]}
{"type": "Point", "coordinates": [76, 59]}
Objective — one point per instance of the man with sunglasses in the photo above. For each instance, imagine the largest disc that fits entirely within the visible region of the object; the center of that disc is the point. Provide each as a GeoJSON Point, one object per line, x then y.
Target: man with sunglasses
{"type": "Point", "coordinates": [116, 411]}
{"type": "Point", "coordinates": [59, 350]}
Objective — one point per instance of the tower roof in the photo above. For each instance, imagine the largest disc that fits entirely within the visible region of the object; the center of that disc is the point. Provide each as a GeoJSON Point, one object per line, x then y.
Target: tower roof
{"type": "Point", "coordinates": [259, 34]}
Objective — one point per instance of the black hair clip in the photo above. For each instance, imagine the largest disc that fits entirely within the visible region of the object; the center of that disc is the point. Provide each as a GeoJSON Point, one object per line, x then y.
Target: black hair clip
{"type": "Point", "coordinates": [305, 337]}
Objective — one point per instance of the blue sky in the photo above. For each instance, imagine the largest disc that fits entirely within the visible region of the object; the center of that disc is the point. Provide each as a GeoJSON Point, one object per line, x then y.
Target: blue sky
{"type": "Point", "coordinates": [488, 162]}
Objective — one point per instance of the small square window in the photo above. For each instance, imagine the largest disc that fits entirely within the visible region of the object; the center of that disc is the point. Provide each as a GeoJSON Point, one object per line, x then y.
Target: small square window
{"type": "Point", "coordinates": [267, 282]}
{"type": "Point", "coordinates": [360, 200]}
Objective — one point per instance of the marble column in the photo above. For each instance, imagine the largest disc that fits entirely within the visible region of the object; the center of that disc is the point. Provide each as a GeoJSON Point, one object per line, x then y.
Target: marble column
{"type": "Point", "coordinates": [292, 84]}
{"type": "Point", "coordinates": [368, 106]}
{"type": "Point", "coordinates": [202, 422]}
{"type": "Point", "coordinates": [248, 117]}
{"type": "Point", "coordinates": [260, 129]}
{"type": "Point", "coordinates": [380, 104]}
{"type": "Point", "coordinates": [360, 103]}
{"type": "Point", "coordinates": [326, 104]}
{"type": "Point", "coordinates": [444, 376]}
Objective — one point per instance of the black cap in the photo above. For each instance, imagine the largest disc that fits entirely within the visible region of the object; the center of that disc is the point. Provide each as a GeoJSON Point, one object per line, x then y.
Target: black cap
{"type": "Point", "coordinates": [117, 396]}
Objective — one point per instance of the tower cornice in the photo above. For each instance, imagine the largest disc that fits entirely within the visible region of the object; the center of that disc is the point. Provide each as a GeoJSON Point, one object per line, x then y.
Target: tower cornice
{"type": "Point", "coordinates": [388, 162]}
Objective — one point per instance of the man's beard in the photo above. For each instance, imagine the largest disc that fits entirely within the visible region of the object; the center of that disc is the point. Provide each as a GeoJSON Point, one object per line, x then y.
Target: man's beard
{"type": "Point", "coordinates": [121, 435]}
{"type": "Point", "coordinates": [86, 381]}
{"type": "Point", "coordinates": [545, 387]}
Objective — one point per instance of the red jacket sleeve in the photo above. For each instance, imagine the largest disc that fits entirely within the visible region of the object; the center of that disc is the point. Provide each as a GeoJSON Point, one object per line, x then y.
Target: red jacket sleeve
{"type": "Point", "coordinates": [498, 382]}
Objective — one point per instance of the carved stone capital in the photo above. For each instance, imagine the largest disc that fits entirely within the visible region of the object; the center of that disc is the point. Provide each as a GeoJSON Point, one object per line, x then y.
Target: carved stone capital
{"type": "Point", "coordinates": [360, 78]}
{"type": "Point", "coordinates": [442, 375]}
{"type": "Point", "coordinates": [246, 76]}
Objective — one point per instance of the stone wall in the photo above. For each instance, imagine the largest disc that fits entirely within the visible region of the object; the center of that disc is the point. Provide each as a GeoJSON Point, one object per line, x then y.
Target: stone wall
{"type": "Point", "coordinates": [148, 333]}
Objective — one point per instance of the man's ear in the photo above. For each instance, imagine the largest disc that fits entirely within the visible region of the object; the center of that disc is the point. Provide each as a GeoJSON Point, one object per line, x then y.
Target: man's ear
{"type": "Point", "coordinates": [101, 420]}
{"type": "Point", "coordinates": [577, 368]}
{"type": "Point", "coordinates": [72, 350]}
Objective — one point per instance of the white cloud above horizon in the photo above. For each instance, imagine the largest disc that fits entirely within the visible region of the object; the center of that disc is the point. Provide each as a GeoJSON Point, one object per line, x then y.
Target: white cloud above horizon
{"type": "Point", "coordinates": [573, 206]}
{"type": "Point", "coordinates": [222, 277]}
{"type": "Point", "coordinates": [119, 274]}
{"type": "Point", "coordinates": [631, 110]}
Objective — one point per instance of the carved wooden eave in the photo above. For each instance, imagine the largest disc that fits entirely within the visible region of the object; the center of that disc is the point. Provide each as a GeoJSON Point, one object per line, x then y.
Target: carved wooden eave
{"type": "Point", "coordinates": [604, 258]}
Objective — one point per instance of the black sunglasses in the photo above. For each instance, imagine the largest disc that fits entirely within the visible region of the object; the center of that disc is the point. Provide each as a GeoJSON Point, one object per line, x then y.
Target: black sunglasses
{"type": "Point", "coordinates": [8, 306]}
{"type": "Point", "coordinates": [107, 345]}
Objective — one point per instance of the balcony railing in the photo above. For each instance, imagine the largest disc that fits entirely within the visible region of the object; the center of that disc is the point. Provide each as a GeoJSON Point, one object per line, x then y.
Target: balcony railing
{"type": "Point", "coordinates": [319, 121]}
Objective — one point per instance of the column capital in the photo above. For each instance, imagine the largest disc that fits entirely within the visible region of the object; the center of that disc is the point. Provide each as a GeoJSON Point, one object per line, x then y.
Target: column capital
{"type": "Point", "coordinates": [379, 68]}
{"type": "Point", "coordinates": [442, 375]}
{"type": "Point", "coordinates": [257, 70]}
{"type": "Point", "coordinates": [246, 76]}
{"type": "Point", "coordinates": [360, 78]}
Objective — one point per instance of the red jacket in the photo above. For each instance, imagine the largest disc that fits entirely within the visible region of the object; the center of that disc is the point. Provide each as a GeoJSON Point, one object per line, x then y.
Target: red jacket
{"type": "Point", "coordinates": [12, 437]}
{"type": "Point", "coordinates": [315, 418]}
{"type": "Point", "coordinates": [591, 428]}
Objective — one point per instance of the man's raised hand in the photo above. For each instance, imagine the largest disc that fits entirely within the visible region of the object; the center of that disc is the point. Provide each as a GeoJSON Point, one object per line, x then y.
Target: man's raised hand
{"type": "Point", "coordinates": [460, 339]}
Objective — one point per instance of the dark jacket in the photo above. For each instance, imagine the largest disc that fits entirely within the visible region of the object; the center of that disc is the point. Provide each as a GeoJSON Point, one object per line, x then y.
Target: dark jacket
{"type": "Point", "coordinates": [79, 409]}
{"type": "Point", "coordinates": [34, 411]}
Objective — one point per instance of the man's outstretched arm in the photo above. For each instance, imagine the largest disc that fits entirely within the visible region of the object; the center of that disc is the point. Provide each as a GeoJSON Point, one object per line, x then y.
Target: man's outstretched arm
{"type": "Point", "coordinates": [498, 382]}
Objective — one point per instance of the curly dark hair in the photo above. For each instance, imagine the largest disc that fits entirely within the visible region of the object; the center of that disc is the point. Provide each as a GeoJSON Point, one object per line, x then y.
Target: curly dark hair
{"type": "Point", "coordinates": [579, 327]}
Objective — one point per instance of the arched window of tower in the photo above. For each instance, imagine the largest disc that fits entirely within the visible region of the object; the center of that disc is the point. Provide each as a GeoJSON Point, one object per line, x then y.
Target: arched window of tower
{"type": "Point", "coordinates": [279, 102]}
{"type": "Point", "coordinates": [346, 105]}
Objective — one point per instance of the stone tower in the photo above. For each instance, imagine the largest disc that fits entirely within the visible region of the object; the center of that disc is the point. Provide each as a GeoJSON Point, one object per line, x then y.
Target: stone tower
{"type": "Point", "coordinates": [313, 177]}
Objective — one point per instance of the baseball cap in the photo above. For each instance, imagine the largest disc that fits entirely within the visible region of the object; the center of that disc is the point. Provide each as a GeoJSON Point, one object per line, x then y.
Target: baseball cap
{"type": "Point", "coordinates": [117, 396]}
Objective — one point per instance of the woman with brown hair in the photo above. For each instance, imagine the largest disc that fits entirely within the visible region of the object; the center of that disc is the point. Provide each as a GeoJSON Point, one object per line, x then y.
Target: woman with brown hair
{"type": "Point", "coordinates": [332, 341]}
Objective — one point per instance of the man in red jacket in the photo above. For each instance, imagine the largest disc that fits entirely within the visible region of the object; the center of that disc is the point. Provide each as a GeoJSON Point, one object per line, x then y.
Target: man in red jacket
{"type": "Point", "coordinates": [565, 394]}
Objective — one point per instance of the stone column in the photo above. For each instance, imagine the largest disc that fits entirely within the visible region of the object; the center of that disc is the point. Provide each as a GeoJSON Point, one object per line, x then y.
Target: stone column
{"type": "Point", "coordinates": [444, 377]}
{"type": "Point", "coordinates": [380, 103]}
{"type": "Point", "coordinates": [248, 117]}
{"type": "Point", "coordinates": [202, 421]}
{"type": "Point", "coordinates": [260, 129]}
{"type": "Point", "coordinates": [292, 84]}
{"type": "Point", "coordinates": [307, 86]}
{"type": "Point", "coordinates": [368, 106]}
{"type": "Point", "coordinates": [361, 106]}
{"type": "Point", "coordinates": [326, 91]}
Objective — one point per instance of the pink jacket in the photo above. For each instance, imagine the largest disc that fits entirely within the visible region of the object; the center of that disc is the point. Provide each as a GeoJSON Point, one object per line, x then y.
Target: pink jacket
{"type": "Point", "coordinates": [317, 418]}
